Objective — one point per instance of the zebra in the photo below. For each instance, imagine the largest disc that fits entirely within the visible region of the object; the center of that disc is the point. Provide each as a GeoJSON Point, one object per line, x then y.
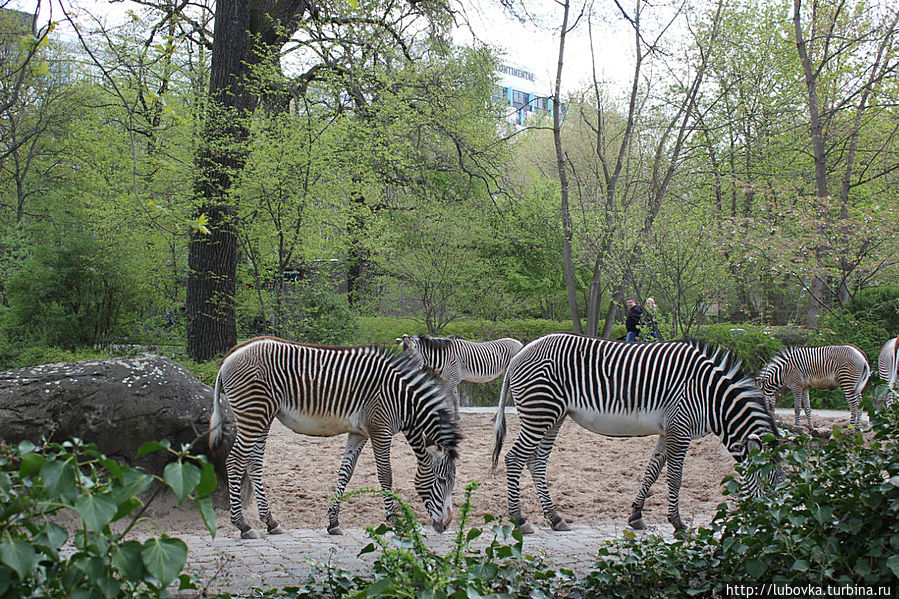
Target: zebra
{"type": "Point", "coordinates": [674, 389]}
{"type": "Point", "coordinates": [455, 359]}
{"type": "Point", "coordinates": [365, 391]}
{"type": "Point", "coordinates": [823, 367]}
{"type": "Point", "coordinates": [888, 363]}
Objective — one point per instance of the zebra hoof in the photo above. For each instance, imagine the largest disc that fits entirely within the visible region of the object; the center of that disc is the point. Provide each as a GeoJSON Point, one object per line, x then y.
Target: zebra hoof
{"type": "Point", "coordinates": [336, 530]}
{"type": "Point", "coordinates": [277, 530]}
{"type": "Point", "coordinates": [526, 528]}
{"type": "Point", "coordinates": [250, 533]}
{"type": "Point", "coordinates": [637, 524]}
{"type": "Point", "coordinates": [561, 526]}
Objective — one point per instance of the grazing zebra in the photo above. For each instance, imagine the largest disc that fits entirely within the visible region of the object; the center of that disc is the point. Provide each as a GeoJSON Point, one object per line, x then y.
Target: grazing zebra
{"type": "Point", "coordinates": [327, 391]}
{"type": "Point", "coordinates": [823, 367]}
{"type": "Point", "coordinates": [455, 359]}
{"type": "Point", "coordinates": [673, 389]}
{"type": "Point", "coordinates": [888, 363]}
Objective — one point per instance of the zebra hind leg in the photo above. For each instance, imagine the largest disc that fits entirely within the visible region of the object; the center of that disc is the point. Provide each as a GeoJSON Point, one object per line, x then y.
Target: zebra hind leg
{"type": "Point", "coordinates": [236, 465]}
{"type": "Point", "coordinates": [656, 463]}
{"type": "Point", "coordinates": [515, 460]}
{"type": "Point", "coordinates": [537, 466]}
{"type": "Point", "coordinates": [254, 470]}
{"type": "Point", "coordinates": [354, 445]}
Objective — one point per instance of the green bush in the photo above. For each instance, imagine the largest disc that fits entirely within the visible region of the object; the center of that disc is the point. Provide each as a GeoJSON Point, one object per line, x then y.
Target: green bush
{"type": "Point", "coordinates": [406, 568]}
{"type": "Point", "coordinates": [834, 519]}
{"type": "Point", "coordinates": [382, 329]}
{"type": "Point", "coordinates": [879, 305]}
{"type": "Point", "coordinates": [321, 317]}
{"type": "Point", "coordinates": [754, 345]}
{"type": "Point", "coordinates": [72, 293]}
{"type": "Point", "coordinates": [42, 488]}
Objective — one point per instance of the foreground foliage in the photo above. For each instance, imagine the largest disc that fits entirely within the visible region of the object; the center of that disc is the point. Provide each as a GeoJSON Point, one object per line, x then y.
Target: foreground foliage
{"type": "Point", "coordinates": [834, 519]}
{"type": "Point", "coordinates": [66, 512]}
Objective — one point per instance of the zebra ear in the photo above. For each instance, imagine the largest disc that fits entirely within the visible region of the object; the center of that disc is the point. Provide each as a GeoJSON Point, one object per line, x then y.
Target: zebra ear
{"type": "Point", "coordinates": [433, 450]}
{"type": "Point", "coordinates": [753, 441]}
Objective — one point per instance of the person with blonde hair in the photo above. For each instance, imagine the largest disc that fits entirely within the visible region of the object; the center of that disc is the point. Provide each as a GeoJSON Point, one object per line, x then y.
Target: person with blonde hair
{"type": "Point", "coordinates": [648, 322]}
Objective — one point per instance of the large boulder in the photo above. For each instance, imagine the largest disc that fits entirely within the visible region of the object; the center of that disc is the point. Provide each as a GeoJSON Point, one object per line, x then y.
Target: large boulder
{"type": "Point", "coordinates": [118, 403]}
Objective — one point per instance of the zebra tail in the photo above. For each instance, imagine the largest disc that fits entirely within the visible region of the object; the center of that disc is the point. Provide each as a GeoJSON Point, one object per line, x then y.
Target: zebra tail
{"type": "Point", "coordinates": [215, 421]}
{"type": "Point", "coordinates": [863, 380]}
{"type": "Point", "coordinates": [499, 425]}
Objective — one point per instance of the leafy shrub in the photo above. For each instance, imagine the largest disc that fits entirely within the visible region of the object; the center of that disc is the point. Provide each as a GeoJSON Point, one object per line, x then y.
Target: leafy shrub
{"type": "Point", "coordinates": [321, 317]}
{"type": "Point", "coordinates": [879, 305]}
{"type": "Point", "coordinates": [72, 293]}
{"type": "Point", "coordinates": [754, 345]}
{"type": "Point", "coordinates": [72, 482]}
{"type": "Point", "coordinates": [834, 519]}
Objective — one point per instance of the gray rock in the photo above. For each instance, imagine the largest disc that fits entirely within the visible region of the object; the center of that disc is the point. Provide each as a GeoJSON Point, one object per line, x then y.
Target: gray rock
{"type": "Point", "coordinates": [118, 403]}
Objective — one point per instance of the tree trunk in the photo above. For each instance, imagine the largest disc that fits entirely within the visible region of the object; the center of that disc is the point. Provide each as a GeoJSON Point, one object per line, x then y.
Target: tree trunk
{"type": "Point", "coordinates": [563, 180]}
{"type": "Point", "coordinates": [244, 37]}
{"type": "Point", "coordinates": [817, 288]}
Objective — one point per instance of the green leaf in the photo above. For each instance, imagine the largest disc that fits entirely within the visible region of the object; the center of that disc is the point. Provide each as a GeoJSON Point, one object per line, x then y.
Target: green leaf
{"type": "Point", "coordinates": [893, 564]}
{"type": "Point", "coordinates": [208, 480]}
{"type": "Point", "coordinates": [207, 513]}
{"type": "Point", "coordinates": [164, 558]}
{"type": "Point", "coordinates": [379, 587]}
{"type": "Point", "coordinates": [26, 446]}
{"type": "Point", "coordinates": [52, 535]}
{"type": "Point", "coordinates": [127, 558]}
{"type": "Point", "coordinates": [18, 555]}
{"type": "Point", "coordinates": [5, 579]}
{"type": "Point", "coordinates": [182, 478]}
{"type": "Point", "coordinates": [151, 446]}
{"type": "Point", "coordinates": [31, 463]}
{"type": "Point", "coordinates": [59, 478]}
{"type": "Point", "coordinates": [800, 565]}
{"type": "Point", "coordinates": [367, 549]}
{"type": "Point", "coordinates": [96, 510]}
{"type": "Point", "coordinates": [113, 468]}
{"type": "Point", "coordinates": [756, 567]}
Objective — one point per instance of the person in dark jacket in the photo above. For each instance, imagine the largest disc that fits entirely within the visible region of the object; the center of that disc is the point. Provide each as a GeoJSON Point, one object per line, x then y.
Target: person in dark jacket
{"type": "Point", "coordinates": [634, 314]}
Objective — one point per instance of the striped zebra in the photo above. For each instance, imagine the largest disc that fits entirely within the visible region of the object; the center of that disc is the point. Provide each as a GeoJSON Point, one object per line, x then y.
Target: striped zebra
{"type": "Point", "coordinates": [326, 391]}
{"type": "Point", "coordinates": [673, 389]}
{"type": "Point", "coordinates": [888, 363]}
{"type": "Point", "coordinates": [823, 367]}
{"type": "Point", "coordinates": [455, 359]}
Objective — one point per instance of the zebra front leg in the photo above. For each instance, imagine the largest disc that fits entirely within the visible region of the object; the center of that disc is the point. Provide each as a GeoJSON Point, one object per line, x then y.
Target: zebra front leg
{"type": "Point", "coordinates": [676, 451]}
{"type": "Point", "coordinates": [797, 404]}
{"type": "Point", "coordinates": [656, 463]}
{"type": "Point", "coordinates": [537, 466]}
{"type": "Point", "coordinates": [254, 470]}
{"type": "Point", "coordinates": [354, 445]}
{"type": "Point", "coordinates": [380, 445]}
{"type": "Point", "coordinates": [807, 406]}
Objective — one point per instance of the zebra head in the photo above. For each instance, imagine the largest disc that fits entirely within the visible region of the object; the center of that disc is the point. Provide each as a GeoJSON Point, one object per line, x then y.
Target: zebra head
{"type": "Point", "coordinates": [434, 481]}
{"type": "Point", "coordinates": [433, 433]}
{"type": "Point", "coordinates": [412, 348]}
{"type": "Point", "coordinates": [752, 482]}
{"type": "Point", "coordinates": [770, 378]}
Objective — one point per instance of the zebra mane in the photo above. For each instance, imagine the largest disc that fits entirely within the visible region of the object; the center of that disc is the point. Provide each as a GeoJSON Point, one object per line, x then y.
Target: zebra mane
{"type": "Point", "coordinates": [387, 350]}
{"type": "Point", "coordinates": [436, 342]}
{"type": "Point", "coordinates": [410, 370]}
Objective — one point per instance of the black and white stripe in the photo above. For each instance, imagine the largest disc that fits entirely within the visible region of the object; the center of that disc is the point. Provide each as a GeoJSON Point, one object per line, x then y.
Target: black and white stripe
{"type": "Point", "coordinates": [677, 390]}
{"type": "Point", "coordinates": [455, 359]}
{"type": "Point", "coordinates": [325, 391]}
{"type": "Point", "coordinates": [888, 363]}
{"type": "Point", "coordinates": [823, 367]}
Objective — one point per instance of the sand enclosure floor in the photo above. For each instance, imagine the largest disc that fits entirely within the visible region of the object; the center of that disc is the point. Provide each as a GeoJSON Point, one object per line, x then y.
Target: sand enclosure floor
{"type": "Point", "coordinates": [592, 479]}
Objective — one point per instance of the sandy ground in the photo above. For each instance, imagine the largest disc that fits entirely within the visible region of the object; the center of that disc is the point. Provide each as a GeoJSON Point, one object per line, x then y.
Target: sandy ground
{"type": "Point", "coordinates": [593, 479]}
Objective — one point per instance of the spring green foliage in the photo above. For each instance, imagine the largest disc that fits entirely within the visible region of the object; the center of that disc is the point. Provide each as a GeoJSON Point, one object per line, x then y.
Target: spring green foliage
{"type": "Point", "coordinates": [66, 512]}
{"type": "Point", "coordinates": [406, 568]}
{"type": "Point", "coordinates": [834, 519]}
